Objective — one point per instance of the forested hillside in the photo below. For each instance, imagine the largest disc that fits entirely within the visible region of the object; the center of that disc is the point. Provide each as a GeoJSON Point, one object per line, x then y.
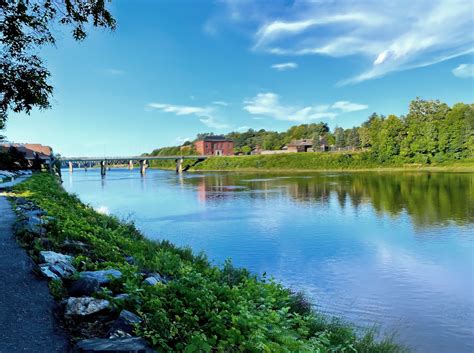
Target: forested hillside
{"type": "Point", "coordinates": [431, 132]}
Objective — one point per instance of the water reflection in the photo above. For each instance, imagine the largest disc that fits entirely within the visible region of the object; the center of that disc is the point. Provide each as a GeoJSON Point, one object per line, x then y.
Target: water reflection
{"type": "Point", "coordinates": [393, 249]}
{"type": "Point", "coordinates": [429, 198]}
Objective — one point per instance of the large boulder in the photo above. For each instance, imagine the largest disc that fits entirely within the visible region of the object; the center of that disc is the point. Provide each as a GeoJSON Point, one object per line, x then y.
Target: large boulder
{"type": "Point", "coordinates": [113, 345]}
{"type": "Point", "coordinates": [102, 276]}
{"type": "Point", "coordinates": [56, 265]}
{"type": "Point", "coordinates": [51, 257]}
{"type": "Point", "coordinates": [83, 287]}
{"type": "Point", "coordinates": [85, 306]}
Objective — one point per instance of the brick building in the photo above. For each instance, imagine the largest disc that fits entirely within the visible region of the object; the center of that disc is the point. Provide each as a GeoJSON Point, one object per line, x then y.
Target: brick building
{"type": "Point", "coordinates": [215, 146]}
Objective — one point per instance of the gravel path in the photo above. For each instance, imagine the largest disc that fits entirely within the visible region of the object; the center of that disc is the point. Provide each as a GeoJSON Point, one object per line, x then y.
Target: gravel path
{"type": "Point", "coordinates": [26, 307]}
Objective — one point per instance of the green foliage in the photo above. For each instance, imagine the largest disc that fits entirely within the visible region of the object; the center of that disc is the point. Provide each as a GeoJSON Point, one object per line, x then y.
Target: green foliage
{"type": "Point", "coordinates": [26, 26]}
{"type": "Point", "coordinates": [432, 132]}
{"type": "Point", "coordinates": [56, 288]}
{"type": "Point", "coordinates": [201, 308]}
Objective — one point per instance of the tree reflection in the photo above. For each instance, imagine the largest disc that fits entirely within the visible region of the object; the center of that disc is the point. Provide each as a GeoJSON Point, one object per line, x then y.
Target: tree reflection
{"type": "Point", "coordinates": [428, 198]}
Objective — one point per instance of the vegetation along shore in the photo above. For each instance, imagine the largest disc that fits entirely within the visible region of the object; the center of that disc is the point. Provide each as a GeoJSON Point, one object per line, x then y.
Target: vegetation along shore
{"type": "Point", "coordinates": [432, 136]}
{"type": "Point", "coordinates": [188, 305]}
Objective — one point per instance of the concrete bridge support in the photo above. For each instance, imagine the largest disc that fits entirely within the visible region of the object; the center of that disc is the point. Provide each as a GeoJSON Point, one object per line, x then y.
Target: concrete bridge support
{"type": "Point", "coordinates": [179, 165]}
{"type": "Point", "coordinates": [71, 167]}
{"type": "Point", "coordinates": [143, 167]}
{"type": "Point", "coordinates": [130, 165]}
{"type": "Point", "coordinates": [103, 168]}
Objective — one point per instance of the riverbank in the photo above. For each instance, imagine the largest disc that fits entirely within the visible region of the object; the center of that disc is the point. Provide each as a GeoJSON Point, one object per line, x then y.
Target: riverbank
{"type": "Point", "coordinates": [26, 313]}
{"type": "Point", "coordinates": [304, 162]}
{"type": "Point", "coordinates": [191, 304]}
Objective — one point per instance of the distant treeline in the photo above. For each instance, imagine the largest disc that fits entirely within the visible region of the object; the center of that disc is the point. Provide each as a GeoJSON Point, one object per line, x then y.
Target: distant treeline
{"type": "Point", "coordinates": [430, 132]}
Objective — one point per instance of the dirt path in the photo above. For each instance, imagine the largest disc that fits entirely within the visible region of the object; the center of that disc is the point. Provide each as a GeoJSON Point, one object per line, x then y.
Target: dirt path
{"type": "Point", "coordinates": [26, 319]}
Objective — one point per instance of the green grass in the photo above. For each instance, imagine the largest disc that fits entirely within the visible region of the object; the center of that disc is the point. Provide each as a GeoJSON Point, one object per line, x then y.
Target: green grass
{"type": "Point", "coordinates": [202, 308]}
{"type": "Point", "coordinates": [321, 161]}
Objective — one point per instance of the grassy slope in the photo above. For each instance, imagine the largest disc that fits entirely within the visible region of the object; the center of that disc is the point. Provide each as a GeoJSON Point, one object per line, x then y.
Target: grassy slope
{"type": "Point", "coordinates": [201, 308]}
{"type": "Point", "coordinates": [320, 161]}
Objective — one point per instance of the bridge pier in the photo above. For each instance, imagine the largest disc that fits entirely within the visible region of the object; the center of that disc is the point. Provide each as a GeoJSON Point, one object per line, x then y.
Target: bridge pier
{"type": "Point", "coordinates": [143, 167]}
{"type": "Point", "coordinates": [179, 165]}
{"type": "Point", "coordinates": [103, 168]}
{"type": "Point", "coordinates": [70, 167]}
{"type": "Point", "coordinates": [130, 165]}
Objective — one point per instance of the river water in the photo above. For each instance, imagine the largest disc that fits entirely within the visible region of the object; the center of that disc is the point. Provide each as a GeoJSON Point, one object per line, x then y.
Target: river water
{"type": "Point", "coordinates": [388, 249]}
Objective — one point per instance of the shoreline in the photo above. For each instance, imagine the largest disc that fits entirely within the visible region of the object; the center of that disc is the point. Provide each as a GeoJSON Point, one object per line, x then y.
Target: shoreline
{"type": "Point", "coordinates": [145, 270]}
{"type": "Point", "coordinates": [438, 169]}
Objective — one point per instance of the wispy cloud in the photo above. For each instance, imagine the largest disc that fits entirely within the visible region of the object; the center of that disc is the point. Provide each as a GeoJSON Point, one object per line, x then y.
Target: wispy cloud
{"type": "Point", "coordinates": [269, 105]}
{"type": "Point", "coordinates": [206, 115]}
{"type": "Point", "coordinates": [222, 103]}
{"type": "Point", "coordinates": [181, 109]}
{"type": "Point", "coordinates": [284, 66]}
{"type": "Point", "coordinates": [391, 36]}
{"type": "Point", "coordinates": [113, 72]}
{"type": "Point", "coordinates": [464, 71]}
{"type": "Point", "coordinates": [346, 106]}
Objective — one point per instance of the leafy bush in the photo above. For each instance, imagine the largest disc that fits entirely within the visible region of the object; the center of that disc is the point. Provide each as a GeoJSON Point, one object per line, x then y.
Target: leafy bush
{"type": "Point", "coordinates": [201, 308]}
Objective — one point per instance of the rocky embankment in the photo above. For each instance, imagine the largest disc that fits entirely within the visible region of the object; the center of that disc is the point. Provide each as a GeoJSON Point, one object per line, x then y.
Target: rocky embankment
{"type": "Point", "coordinates": [94, 323]}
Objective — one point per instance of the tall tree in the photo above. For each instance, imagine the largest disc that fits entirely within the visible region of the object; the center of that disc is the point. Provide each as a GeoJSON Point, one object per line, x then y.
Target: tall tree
{"type": "Point", "coordinates": [25, 26]}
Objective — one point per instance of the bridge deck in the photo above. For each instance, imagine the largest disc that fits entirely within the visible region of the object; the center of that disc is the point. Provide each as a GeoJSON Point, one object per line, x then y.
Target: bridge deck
{"type": "Point", "coordinates": [133, 158]}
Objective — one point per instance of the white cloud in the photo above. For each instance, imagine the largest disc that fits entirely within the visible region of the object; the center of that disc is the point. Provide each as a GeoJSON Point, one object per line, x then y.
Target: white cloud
{"type": "Point", "coordinates": [284, 66]}
{"type": "Point", "coordinates": [180, 109]}
{"type": "Point", "coordinates": [347, 107]}
{"type": "Point", "coordinates": [464, 71]}
{"type": "Point", "coordinates": [268, 104]}
{"type": "Point", "coordinates": [103, 210]}
{"type": "Point", "coordinates": [391, 36]}
{"type": "Point", "coordinates": [213, 123]}
{"type": "Point", "coordinates": [222, 103]}
{"type": "Point", "coordinates": [205, 114]}
{"type": "Point", "coordinates": [114, 72]}
{"type": "Point", "coordinates": [243, 128]}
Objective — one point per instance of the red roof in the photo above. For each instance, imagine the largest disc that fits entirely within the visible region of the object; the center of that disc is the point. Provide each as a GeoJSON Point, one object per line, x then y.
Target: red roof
{"type": "Point", "coordinates": [29, 149]}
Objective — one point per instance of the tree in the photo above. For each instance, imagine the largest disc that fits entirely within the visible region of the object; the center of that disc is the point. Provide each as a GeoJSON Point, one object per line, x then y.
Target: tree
{"type": "Point", "coordinates": [25, 27]}
{"type": "Point", "coordinates": [353, 139]}
{"type": "Point", "coordinates": [339, 136]}
{"type": "Point", "coordinates": [246, 149]}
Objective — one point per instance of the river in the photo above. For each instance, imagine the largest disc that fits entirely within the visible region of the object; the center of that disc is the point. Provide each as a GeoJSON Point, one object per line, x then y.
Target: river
{"type": "Point", "coordinates": [388, 249]}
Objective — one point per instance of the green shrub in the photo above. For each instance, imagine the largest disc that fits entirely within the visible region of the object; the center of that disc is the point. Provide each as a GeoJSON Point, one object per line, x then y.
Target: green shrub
{"type": "Point", "coordinates": [201, 308]}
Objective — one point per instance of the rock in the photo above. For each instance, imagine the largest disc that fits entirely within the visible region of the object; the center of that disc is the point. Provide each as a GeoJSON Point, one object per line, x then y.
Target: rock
{"type": "Point", "coordinates": [153, 279]}
{"type": "Point", "coordinates": [31, 227]}
{"type": "Point", "coordinates": [51, 257]}
{"type": "Point", "coordinates": [118, 334]}
{"type": "Point", "coordinates": [122, 296]}
{"type": "Point", "coordinates": [113, 345]}
{"type": "Point", "coordinates": [130, 260]}
{"type": "Point", "coordinates": [124, 324]}
{"type": "Point", "coordinates": [102, 276]}
{"type": "Point", "coordinates": [83, 286]}
{"type": "Point", "coordinates": [46, 271]}
{"type": "Point", "coordinates": [85, 306]}
{"type": "Point", "coordinates": [74, 246]}
{"type": "Point", "coordinates": [62, 269]}
{"type": "Point", "coordinates": [33, 213]}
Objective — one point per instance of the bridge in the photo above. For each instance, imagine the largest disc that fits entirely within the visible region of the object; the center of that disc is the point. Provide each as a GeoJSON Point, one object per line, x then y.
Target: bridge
{"type": "Point", "coordinates": [105, 162]}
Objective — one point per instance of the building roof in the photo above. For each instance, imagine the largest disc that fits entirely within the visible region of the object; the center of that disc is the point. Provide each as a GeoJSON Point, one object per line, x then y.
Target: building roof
{"type": "Point", "coordinates": [216, 138]}
{"type": "Point", "coordinates": [29, 149]}
{"type": "Point", "coordinates": [304, 142]}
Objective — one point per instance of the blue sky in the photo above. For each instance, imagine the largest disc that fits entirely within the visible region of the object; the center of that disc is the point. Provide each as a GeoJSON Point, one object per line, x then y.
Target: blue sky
{"type": "Point", "coordinates": [173, 69]}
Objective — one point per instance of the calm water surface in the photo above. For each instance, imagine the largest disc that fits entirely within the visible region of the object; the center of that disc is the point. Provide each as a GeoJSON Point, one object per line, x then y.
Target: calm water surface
{"type": "Point", "coordinates": [395, 250]}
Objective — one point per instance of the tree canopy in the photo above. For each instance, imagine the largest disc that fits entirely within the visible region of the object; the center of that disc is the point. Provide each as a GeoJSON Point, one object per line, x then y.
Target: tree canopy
{"type": "Point", "coordinates": [430, 132]}
{"type": "Point", "coordinates": [25, 26]}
